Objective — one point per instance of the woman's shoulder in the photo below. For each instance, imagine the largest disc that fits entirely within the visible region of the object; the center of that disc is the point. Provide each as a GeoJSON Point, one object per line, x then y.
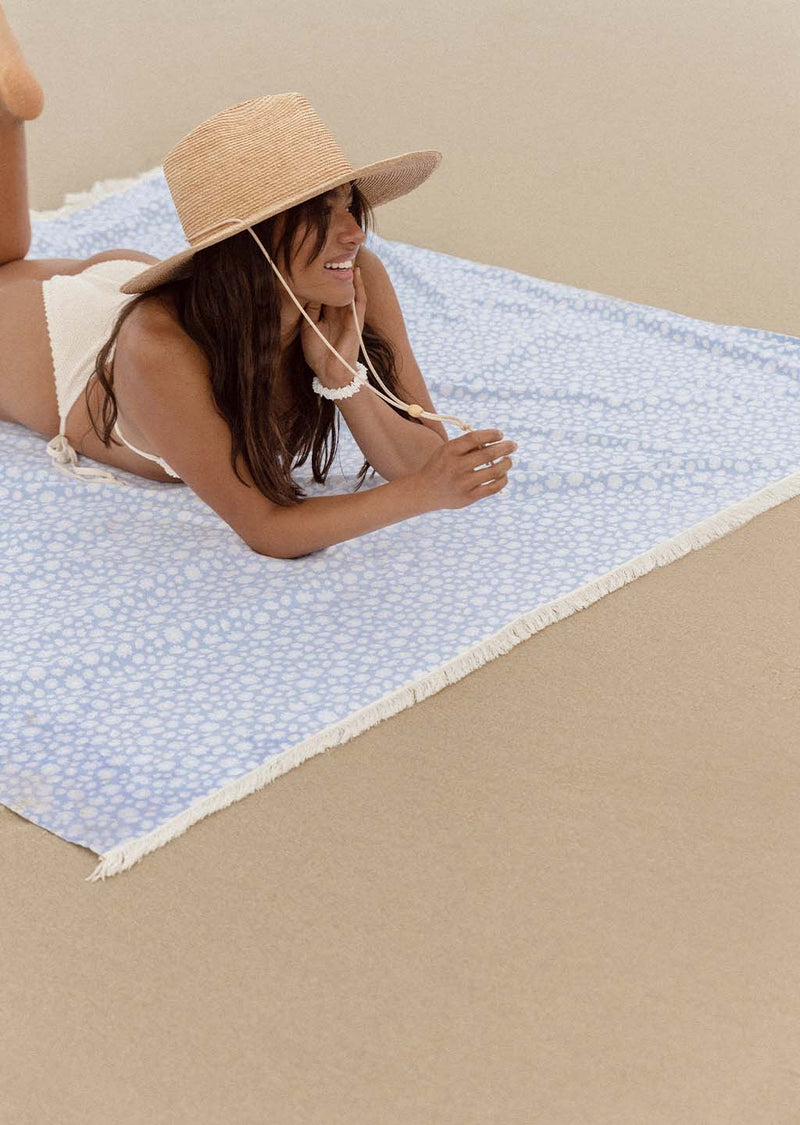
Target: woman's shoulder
{"type": "Point", "coordinates": [154, 329]}
{"type": "Point", "coordinates": [158, 311]}
{"type": "Point", "coordinates": [156, 316]}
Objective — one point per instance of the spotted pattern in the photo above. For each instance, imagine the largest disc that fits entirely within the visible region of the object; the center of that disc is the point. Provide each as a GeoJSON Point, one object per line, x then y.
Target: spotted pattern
{"type": "Point", "coordinates": [149, 658]}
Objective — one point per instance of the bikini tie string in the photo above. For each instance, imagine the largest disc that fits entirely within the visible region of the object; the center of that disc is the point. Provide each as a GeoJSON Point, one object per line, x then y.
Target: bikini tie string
{"type": "Point", "coordinates": [65, 459]}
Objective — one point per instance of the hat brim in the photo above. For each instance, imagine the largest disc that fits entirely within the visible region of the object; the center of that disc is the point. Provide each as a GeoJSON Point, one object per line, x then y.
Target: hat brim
{"type": "Point", "coordinates": [380, 183]}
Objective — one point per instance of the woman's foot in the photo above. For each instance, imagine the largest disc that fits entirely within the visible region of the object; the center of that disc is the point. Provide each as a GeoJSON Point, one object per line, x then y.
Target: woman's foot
{"type": "Point", "coordinates": [20, 93]}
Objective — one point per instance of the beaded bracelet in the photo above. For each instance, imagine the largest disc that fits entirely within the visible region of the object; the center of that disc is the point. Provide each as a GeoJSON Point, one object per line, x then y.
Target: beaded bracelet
{"type": "Point", "coordinates": [347, 390]}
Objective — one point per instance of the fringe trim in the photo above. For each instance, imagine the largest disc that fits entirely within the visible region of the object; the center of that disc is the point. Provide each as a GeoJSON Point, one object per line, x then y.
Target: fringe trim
{"type": "Point", "coordinates": [100, 189]}
{"type": "Point", "coordinates": [699, 535]}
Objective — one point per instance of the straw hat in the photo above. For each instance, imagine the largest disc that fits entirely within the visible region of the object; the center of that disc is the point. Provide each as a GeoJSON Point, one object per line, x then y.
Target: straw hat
{"type": "Point", "coordinates": [258, 158]}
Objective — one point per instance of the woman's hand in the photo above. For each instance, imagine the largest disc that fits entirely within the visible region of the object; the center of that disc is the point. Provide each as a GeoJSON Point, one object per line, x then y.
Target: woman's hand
{"type": "Point", "coordinates": [336, 325]}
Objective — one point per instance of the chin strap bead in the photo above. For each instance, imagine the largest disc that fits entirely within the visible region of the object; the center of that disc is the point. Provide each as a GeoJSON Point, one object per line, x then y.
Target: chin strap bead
{"type": "Point", "coordinates": [355, 385]}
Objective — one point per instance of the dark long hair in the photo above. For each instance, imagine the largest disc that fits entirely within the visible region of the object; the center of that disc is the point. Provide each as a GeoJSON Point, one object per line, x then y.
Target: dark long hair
{"type": "Point", "coordinates": [230, 306]}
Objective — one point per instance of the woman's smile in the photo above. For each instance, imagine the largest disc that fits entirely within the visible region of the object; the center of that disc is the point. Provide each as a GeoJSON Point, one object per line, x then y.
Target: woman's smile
{"type": "Point", "coordinates": [341, 275]}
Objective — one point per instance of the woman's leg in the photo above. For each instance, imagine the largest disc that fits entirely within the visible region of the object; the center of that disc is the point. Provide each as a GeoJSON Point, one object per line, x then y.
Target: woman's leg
{"type": "Point", "coordinates": [15, 220]}
{"type": "Point", "coordinates": [21, 100]}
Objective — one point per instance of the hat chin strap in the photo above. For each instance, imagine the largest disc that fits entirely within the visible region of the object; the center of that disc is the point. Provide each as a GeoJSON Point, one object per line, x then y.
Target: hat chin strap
{"type": "Point", "coordinates": [414, 409]}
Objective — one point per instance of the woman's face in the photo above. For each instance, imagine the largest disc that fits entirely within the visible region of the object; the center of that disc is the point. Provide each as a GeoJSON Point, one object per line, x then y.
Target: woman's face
{"type": "Point", "coordinates": [311, 283]}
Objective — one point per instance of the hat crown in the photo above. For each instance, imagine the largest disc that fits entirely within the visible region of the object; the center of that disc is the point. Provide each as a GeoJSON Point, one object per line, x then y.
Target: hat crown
{"type": "Point", "coordinates": [256, 157]}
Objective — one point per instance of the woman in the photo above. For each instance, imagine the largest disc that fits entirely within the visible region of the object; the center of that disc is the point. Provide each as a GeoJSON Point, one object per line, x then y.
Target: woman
{"type": "Point", "coordinates": [214, 353]}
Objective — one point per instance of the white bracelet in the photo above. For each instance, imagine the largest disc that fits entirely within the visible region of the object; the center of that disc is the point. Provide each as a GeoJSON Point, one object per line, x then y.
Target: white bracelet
{"type": "Point", "coordinates": [347, 390]}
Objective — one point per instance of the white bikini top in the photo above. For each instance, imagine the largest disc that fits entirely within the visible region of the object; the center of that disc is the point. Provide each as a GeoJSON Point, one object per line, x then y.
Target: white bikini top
{"type": "Point", "coordinates": [79, 309]}
{"type": "Point", "coordinates": [150, 456]}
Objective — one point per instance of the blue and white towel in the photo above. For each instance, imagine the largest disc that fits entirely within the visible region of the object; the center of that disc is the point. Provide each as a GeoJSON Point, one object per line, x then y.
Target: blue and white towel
{"type": "Point", "coordinates": [154, 669]}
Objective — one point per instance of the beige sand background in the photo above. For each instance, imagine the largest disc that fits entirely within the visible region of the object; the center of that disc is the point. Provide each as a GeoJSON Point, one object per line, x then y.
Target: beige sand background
{"type": "Point", "coordinates": [564, 890]}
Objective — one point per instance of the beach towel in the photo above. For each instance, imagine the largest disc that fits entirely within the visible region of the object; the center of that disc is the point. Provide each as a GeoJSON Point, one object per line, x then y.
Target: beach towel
{"type": "Point", "coordinates": [154, 669]}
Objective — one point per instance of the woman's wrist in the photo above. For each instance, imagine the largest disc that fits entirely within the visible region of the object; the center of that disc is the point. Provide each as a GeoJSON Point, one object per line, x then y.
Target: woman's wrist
{"type": "Point", "coordinates": [345, 389]}
{"type": "Point", "coordinates": [340, 377]}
